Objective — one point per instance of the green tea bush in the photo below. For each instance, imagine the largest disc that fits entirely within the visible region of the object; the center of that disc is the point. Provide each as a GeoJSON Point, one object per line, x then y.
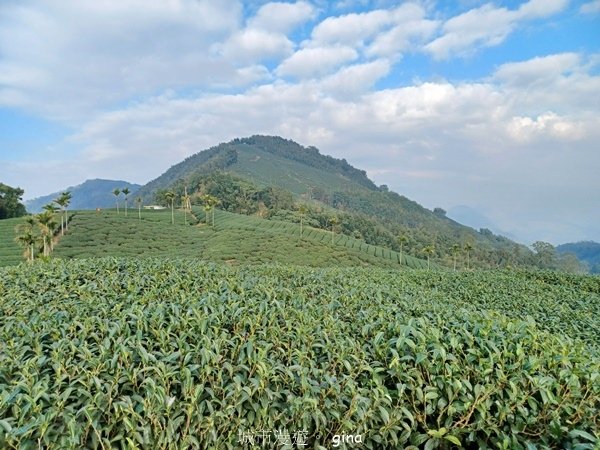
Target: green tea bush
{"type": "Point", "coordinates": [176, 354]}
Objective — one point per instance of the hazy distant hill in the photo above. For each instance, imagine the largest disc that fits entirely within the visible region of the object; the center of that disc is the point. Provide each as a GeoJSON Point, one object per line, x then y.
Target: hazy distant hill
{"type": "Point", "coordinates": [91, 194]}
{"type": "Point", "coordinates": [473, 218]}
{"type": "Point", "coordinates": [367, 211]}
{"type": "Point", "coordinates": [586, 251]}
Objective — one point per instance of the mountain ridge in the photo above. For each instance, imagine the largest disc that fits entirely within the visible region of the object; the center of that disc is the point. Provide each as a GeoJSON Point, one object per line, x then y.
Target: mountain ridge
{"type": "Point", "coordinates": [91, 194]}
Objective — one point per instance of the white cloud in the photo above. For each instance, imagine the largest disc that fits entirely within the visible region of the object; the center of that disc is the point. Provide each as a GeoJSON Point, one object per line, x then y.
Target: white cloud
{"type": "Point", "coordinates": [318, 61]}
{"type": "Point", "coordinates": [282, 17]}
{"type": "Point", "coordinates": [356, 79]}
{"type": "Point", "coordinates": [592, 7]}
{"type": "Point", "coordinates": [549, 124]}
{"type": "Point", "coordinates": [534, 9]}
{"type": "Point", "coordinates": [487, 26]}
{"type": "Point", "coordinates": [64, 59]}
{"type": "Point", "coordinates": [382, 32]}
{"type": "Point", "coordinates": [402, 37]}
{"type": "Point", "coordinates": [252, 44]}
{"type": "Point", "coordinates": [265, 34]}
{"type": "Point", "coordinates": [350, 29]}
{"type": "Point", "coordinates": [537, 70]}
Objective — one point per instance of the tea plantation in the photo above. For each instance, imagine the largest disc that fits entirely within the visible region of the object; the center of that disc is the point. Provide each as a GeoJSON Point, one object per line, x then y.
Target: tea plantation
{"type": "Point", "coordinates": [160, 353]}
{"type": "Point", "coordinates": [235, 239]}
{"type": "Point", "coordinates": [10, 252]}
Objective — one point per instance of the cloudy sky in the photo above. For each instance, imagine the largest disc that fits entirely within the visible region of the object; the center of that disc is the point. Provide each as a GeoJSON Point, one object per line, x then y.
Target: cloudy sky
{"type": "Point", "coordinates": [492, 105]}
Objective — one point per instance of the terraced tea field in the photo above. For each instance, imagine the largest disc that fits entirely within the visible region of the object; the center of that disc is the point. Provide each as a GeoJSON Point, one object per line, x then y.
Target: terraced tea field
{"type": "Point", "coordinates": [10, 252]}
{"type": "Point", "coordinates": [236, 239]}
{"type": "Point", "coordinates": [173, 354]}
{"type": "Point", "coordinates": [311, 237]}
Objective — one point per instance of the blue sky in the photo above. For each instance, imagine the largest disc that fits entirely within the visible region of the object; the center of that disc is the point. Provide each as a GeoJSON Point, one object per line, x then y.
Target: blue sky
{"type": "Point", "coordinates": [492, 105]}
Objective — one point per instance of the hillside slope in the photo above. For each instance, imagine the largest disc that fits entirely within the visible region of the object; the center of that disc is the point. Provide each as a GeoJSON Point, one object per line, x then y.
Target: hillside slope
{"type": "Point", "coordinates": [235, 239]}
{"type": "Point", "coordinates": [334, 186]}
{"type": "Point", "coordinates": [90, 194]}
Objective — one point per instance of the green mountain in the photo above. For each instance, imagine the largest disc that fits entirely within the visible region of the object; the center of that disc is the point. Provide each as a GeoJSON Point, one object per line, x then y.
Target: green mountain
{"type": "Point", "coordinates": [91, 194]}
{"type": "Point", "coordinates": [272, 177]}
{"type": "Point", "coordinates": [586, 251]}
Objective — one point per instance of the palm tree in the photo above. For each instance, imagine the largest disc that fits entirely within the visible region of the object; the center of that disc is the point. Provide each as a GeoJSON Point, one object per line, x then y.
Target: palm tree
{"type": "Point", "coordinates": [46, 223]}
{"type": "Point", "coordinates": [206, 209]}
{"type": "Point", "coordinates": [302, 209]}
{"type": "Point", "coordinates": [116, 193]}
{"type": "Point", "coordinates": [138, 200]}
{"type": "Point", "coordinates": [333, 221]}
{"type": "Point", "coordinates": [170, 196]}
{"type": "Point", "coordinates": [185, 200]}
{"type": "Point", "coordinates": [27, 237]}
{"type": "Point", "coordinates": [66, 196]}
{"type": "Point", "coordinates": [210, 202]}
{"type": "Point", "coordinates": [429, 251]}
{"type": "Point", "coordinates": [62, 201]}
{"type": "Point", "coordinates": [455, 251]}
{"type": "Point", "coordinates": [51, 210]}
{"type": "Point", "coordinates": [402, 239]}
{"type": "Point", "coordinates": [468, 247]}
{"type": "Point", "coordinates": [126, 191]}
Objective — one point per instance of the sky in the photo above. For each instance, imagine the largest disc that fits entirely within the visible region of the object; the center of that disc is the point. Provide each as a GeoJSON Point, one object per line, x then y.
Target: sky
{"type": "Point", "coordinates": [490, 105]}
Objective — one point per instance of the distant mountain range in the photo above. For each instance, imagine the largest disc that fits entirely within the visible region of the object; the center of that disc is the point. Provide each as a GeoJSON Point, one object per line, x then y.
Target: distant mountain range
{"type": "Point", "coordinates": [586, 251]}
{"type": "Point", "coordinates": [91, 194]}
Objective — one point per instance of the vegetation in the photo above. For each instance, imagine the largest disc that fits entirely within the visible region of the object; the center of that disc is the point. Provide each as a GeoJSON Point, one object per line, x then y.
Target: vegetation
{"type": "Point", "coordinates": [546, 257]}
{"type": "Point", "coordinates": [235, 239]}
{"type": "Point", "coordinates": [10, 202]}
{"type": "Point", "coordinates": [588, 253]}
{"type": "Point", "coordinates": [126, 193]}
{"type": "Point", "coordinates": [155, 353]}
{"type": "Point", "coordinates": [116, 192]}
